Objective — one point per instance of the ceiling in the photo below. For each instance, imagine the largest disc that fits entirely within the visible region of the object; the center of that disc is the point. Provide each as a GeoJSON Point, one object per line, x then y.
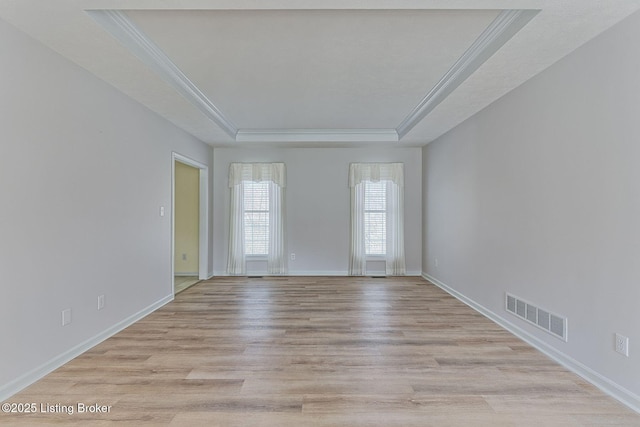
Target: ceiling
{"type": "Point", "coordinates": [315, 73]}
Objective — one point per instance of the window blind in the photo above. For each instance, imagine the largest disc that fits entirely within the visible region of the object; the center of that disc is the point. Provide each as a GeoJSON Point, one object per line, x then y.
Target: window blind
{"type": "Point", "coordinates": [375, 217]}
{"type": "Point", "coordinates": [256, 217]}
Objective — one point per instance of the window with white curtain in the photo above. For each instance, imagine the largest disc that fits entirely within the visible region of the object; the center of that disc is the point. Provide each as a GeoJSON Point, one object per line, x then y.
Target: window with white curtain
{"type": "Point", "coordinates": [256, 226]}
{"type": "Point", "coordinates": [377, 216]}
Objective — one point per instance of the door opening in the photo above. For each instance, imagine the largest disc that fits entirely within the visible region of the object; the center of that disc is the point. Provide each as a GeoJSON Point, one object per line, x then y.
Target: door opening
{"type": "Point", "coordinates": [189, 222]}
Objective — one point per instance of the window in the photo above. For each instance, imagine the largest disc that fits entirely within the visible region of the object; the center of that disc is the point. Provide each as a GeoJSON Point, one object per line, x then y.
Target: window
{"type": "Point", "coordinates": [375, 218]}
{"type": "Point", "coordinates": [377, 211]}
{"type": "Point", "coordinates": [256, 223]}
{"type": "Point", "coordinates": [256, 217]}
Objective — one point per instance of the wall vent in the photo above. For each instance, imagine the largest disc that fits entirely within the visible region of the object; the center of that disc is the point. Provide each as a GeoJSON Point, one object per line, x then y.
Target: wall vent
{"type": "Point", "coordinates": [543, 319]}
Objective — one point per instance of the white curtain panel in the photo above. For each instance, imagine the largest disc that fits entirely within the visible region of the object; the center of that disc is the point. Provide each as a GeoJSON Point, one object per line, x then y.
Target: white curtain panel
{"type": "Point", "coordinates": [357, 258]}
{"type": "Point", "coordinates": [276, 259]}
{"type": "Point", "coordinates": [275, 173]}
{"type": "Point", "coordinates": [395, 262]}
{"type": "Point", "coordinates": [393, 174]}
{"type": "Point", "coordinates": [236, 264]}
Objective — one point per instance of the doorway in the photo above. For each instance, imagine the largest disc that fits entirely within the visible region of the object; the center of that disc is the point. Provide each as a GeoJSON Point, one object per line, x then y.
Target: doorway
{"type": "Point", "coordinates": [189, 222]}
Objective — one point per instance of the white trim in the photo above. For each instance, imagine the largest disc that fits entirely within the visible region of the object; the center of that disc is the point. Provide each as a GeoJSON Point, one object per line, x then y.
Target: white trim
{"type": "Point", "coordinates": [344, 273]}
{"type": "Point", "coordinates": [608, 386]}
{"type": "Point", "coordinates": [34, 375]}
{"type": "Point", "coordinates": [317, 135]}
{"type": "Point", "coordinates": [505, 26]}
{"type": "Point", "coordinates": [290, 273]}
{"type": "Point", "coordinates": [313, 5]}
{"type": "Point", "coordinates": [188, 274]}
{"type": "Point", "coordinates": [124, 30]}
{"type": "Point", "coordinates": [203, 227]}
{"type": "Point", "coordinates": [411, 273]}
{"type": "Point", "coordinates": [319, 273]}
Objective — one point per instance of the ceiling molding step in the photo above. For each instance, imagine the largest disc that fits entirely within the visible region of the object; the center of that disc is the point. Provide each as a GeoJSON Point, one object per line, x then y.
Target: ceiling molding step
{"type": "Point", "coordinates": [317, 135]}
{"type": "Point", "coordinates": [309, 4]}
{"type": "Point", "coordinates": [505, 26]}
{"type": "Point", "coordinates": [124, 30]}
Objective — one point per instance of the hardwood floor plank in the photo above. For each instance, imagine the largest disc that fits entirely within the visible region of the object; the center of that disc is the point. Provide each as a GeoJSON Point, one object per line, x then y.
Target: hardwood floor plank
{"type": "Point", "coordinates": [319, 351]}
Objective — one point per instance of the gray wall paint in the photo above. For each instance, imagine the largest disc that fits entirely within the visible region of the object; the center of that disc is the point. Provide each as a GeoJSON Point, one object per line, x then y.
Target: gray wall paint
{"type": "Point", "coordinates": [83, 172]}
{"type": "Point", "coordinates": [539, 195]}
{"type": "Point", "coordinates": [317, 199]}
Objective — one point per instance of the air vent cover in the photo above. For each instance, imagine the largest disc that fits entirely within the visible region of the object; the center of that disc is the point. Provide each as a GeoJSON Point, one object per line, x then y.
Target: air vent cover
{"type": "Point", "coordinates": [552, 323]}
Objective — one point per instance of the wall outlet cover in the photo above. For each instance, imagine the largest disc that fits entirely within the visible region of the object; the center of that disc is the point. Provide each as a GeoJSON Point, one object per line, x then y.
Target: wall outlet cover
{"type": "Point", "coordinates": [622, 344]}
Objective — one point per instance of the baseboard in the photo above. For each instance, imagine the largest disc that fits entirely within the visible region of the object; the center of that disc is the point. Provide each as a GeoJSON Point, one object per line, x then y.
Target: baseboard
{"type": "Point", "coordinates": [318, 273]}
{"type": "Point", "coordinates": [13, 387]}
{"type": "Point", "coordinates": [413, 273]}
{"type": "Point", "coordinates": [186, 274]}
{"type": "Point", "coordinates": [312, 273]}
{"type": "Point", "coordinates": [608, 386]}
{"type": "Point", "coordinates": [290, 273]}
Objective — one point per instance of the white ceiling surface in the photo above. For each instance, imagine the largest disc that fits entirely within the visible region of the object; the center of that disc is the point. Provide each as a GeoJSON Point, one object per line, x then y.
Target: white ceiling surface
{"type": "Point", "coordinates": [319, 69]}
{"type": "Point", "coordinates": [296, 64]}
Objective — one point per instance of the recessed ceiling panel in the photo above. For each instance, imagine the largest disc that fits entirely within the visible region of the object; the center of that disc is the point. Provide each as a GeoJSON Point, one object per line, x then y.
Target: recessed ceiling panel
{"type": "Point", "coordinates": [314, 69]}
{"type": "Point", "coordinates": [304, 73]}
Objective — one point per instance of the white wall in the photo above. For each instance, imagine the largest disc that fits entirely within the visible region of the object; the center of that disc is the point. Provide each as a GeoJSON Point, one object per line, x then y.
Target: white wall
{"type": "Point", "coordinates": [539, 195]}
{"type": "Point", "coordinates": [317, 198]}
{"type": "Point", "coordinates": [83, 172]}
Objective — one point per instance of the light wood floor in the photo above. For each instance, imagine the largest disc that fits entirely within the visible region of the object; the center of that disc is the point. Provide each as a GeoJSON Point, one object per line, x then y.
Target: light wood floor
{"type": "Point", "coordinates": [319, 352]}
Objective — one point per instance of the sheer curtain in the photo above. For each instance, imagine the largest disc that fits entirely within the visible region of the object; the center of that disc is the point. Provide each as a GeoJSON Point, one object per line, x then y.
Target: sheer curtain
{"type": "Point", "coordinates": [393, 175]}
{"type": "Point", "coordinates": [395, 263]}
{"type": "Point", "coordinates": [236, 264]}
{"type": "Point", "coordinates": [276, 259]}
{"type": "Point", "coordinates": [275, 174]}
{"type": "Point", "coordinates": [357, 258]}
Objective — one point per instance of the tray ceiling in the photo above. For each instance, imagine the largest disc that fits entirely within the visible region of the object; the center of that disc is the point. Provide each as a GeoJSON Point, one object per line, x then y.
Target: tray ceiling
{"type": "Point", "coordinates": [314, 69]}
{"type": "Point", "coordinates": [400, 73]}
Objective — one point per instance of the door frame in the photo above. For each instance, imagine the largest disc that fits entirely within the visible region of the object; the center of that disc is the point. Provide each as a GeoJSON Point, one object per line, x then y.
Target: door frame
{"type": "Point", "coordinates": [203, 223]}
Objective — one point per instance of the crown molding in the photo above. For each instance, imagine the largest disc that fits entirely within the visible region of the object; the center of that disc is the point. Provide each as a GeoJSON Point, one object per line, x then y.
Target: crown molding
{"type": "Point", "coordinates": [309, 4]}
{"type": "Point", "coordinates": [505, 26]}
{"type": "Point", "coordinates": [317, 135]}
{"type": "Point", "coordinates": [126, 32]}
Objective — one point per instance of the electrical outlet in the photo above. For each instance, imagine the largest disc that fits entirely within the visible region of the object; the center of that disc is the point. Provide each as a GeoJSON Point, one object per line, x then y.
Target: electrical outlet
{"type": "Point", "coordinates": [66, 317]}
{"type": "Point", "coordinates": [435, 262]}
{"type": "Point", "coordinates": [293, 256]}
{"type": "Point", "coordinates": [100, 302]}
{"type": "Point", "coordinates": [184, 257]}
{"type": "Point", "coordinates": [622, 344]}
